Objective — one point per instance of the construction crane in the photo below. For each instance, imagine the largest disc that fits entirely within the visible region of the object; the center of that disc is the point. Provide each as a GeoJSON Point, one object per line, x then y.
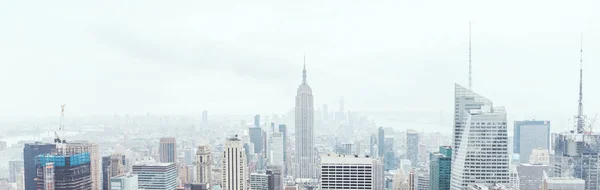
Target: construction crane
{"type": "Point", "coordinates": [61, 126]}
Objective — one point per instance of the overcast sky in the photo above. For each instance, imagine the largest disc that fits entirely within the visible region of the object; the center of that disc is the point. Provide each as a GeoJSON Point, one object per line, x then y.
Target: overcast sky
{"type": "Point", "coordinates": [178, 57]}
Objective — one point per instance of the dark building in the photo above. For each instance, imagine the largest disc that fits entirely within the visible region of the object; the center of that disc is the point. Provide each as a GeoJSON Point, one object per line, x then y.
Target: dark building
{"type": "Point", "coordinates": [196, 186]}
{"type": "Point", "coordinates": [65, 172]}
{"type": "Point", "coordinates": [112, 166]}
{"type": "Point", "coordinates": [30, 151]}
{"type": "Point", "coordinates": [106, 172]}
{"type": "Point", "coordinates": [275, 179]}
{"type": "Point", "coordinates": [256, 138]}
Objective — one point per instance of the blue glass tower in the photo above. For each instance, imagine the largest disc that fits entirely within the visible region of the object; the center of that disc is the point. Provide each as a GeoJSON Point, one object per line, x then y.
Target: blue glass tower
{"type": "Point", "coordinates": [440, 168]}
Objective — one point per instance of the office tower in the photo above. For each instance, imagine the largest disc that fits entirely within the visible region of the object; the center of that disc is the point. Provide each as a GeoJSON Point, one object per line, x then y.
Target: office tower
{"type": "Point", "coordinates": [168, 150]}
{"type": "Point", "coordinates": [380, 142]}
{"type": "Point", "coordinates": [234, 165]}
{"type": "Point", "coordinates": [124, 182]}
{"type": "Point", "coordinates": [513, 178]}
{"type": "Point", "coordinates": [77, 147]}
{"type": "Point", "coordinates": [257, 121]}
{"type": "Point", "coordinates": [305, 157]}
{"type": "Point", "coordinates": [539, 156]}
{"type": "Point", "coordinates": [531, 176]}
{"type": "Point", "coordinates": [256, 138]}
{"type": "Point", "coordinates": [186, 174]}
{"type": "Point", "coordinates": [480, 153]}
{"type": "Point", "coordinates": [156, 175]}
{"type": "Point", "coordinates": [259, 181]}
{"type": "Point", "coordinates": [204, 118]}
{"type": "Point", "coordinates": [30, 151]}
{"type": "Point", "coordinates": [412, 180]}
{"type": "Point", "coordinates": [422, 180]}
{"type": "Point", "coordinates": [275, 177]}
{"type": "Point", "coordinates": [62, 172]}
{"type": "Point", "coordinates": [14, 168]}
{"type": "Point", "coordinates": [372, 144]}
{"type": "Point", "coordinates": [283, 131]}
{"type": "Point", "coordinates": [188, 156]}
{"type": "Point", "coordinates": [351, 172]}
{"type": "Point", "coordinates": [440, 168]}
{"type": "Point", "coordinates": [562, 183]}
{"type": "Point", "coordinates": [265, 143]}
{"type": "Point", "coordinates": [112, 166]}
{"type": "Point", "coordinates": [203, 165]}
{"type": "Point", "coordinates": [412, 146]}
{"type": "Point", "coordinates": [530, 135]}
{"type": "Point", "coordinates": [276, 157]}
{"type": "Point", "coordinates": [348, 148]}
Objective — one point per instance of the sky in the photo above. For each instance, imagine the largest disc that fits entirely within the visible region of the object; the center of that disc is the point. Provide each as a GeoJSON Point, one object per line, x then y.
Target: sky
{"type": "Point", "coordinates": [242, 57]}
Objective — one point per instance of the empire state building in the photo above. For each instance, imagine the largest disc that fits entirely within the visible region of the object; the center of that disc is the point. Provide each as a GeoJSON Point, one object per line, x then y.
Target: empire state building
{"type": "Point", "coordinates": [305, 157]}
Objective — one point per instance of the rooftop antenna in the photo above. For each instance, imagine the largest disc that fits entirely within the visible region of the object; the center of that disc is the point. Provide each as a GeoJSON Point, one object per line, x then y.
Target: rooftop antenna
{"type": "Point", "coordinates": [470, 77]}
{"type": "Point", "coordinates": [580, 116]}
{"type": "Point", "coordinates": [304, 71]}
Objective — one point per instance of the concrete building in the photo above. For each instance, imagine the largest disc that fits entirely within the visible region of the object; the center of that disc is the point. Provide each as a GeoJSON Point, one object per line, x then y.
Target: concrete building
{"type": "Point", "coordinates": [259, 181]}
{"type": "Point", "coordinates": [531, 176]}
{"type": "Point", "coordinates": [576, 156]}
{"type": "Point", "coordinates": [529, 135]}
{"type": "Point", "coordinates": [30, 151]}
{"type": "Point", "coordinates": [156, 175]}
{"type": "Point", "coordinates": [276, 157]}
{"type": "Point", "coordinates": [204, 163]}
{"type": "Point", "coordinates": [351, 172]}
{"type": "Point", "coordinates": [76, 147]}
{"type": "Point", "coordinates": [305, 157]}
{"type": "Point", "coordinates": [539, 156]}
{"type": "Point", "coordinates": [440, 167]}
{"type": "Point", "coordinates": [234, 165]}
{"type": "Point", "coordinates": [412, 146]}
{"type": "Point", "coordinates": [563, 183]}
{"type": "Point", "coordinates": [62, 172]}
{"type": "Point", "coordinates": [480, 154]}
{"type": "Point", "coordinates": [168, 150]}
{"type": "Point", "coordinates": [124, 182]}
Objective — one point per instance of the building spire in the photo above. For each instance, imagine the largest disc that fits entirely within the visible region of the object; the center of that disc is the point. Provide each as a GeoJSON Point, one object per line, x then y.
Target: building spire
{"type": "Point", "coordinates": [580, 117]}
{"type": "Point", "coordinates": [470, 78]}
{"type": "Point", "coordinates": [304, 71]}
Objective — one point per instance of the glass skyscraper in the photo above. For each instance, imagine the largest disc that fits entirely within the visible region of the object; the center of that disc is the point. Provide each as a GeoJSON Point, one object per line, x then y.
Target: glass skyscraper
{"type": "Point", "coordinates": [440, 168]}
{"type": "Point", "coordinates": [530, 135]}
{"type": "Point", "coordinates": [30, 151]}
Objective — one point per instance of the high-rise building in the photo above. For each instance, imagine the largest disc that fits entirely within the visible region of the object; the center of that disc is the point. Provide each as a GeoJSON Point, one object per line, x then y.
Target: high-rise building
{"type": "Point", "coordinates": [62, 172]}
{"type": "Point", "coordinates": [204, 165]}
{"type": "Point", "coordinates": [422, 180]}
{"type": "Point", "coordinates": [440, 166]}
{"type": "Point", "coordinates": [256, 138]}
{"type": "Point", "coordinates": [76, 147]}
{"type": "Point", "coordinates": [380, 142]}
{"type": "Point", "coordinates": [188, 156]}
{"type": "Point", "coordinates": [156, 175]}
{"type": "Point", "coordinates": [124, 182]}
{"type": "Point", "coordinates": [412, 146]}
{"type": "Point", "coordinates": [480, 154]}
{"type": "Point", "coordinates": [259, 181]}
{"type": "Point", "coordinates": [351, 172]}
{"type": "Point", "coordinates": [112, 166]}
{"type": "Point", "coordinates": [531, 176]}
{"type": "Point", "coordinates": [372, 144]}
{"type": "Point", "coordinates": [276, 157]}
{"type": "Point", "coordinates": [305, 157]}
{"type": "Point", "coordinates": [234, 165]}
{"type": "Point", "coordinates": [275, 178]}
{"type": "Point", "coordinates": [14, 168]}
{"type": "Point", "coordinates": [576, 155]}
{"type": "Point", "coordinates": [530, 135]}
{"type": "Point", "coordinates": [257, 121]}
{"type": "Point", "coordinates": [168, 150]}
{"type": "Point", "coordinates": [30, 151]}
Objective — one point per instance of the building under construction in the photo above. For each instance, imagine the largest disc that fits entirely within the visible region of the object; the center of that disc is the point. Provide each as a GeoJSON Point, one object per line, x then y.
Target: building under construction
{"type": "Point", "coordinates": [64, 172]}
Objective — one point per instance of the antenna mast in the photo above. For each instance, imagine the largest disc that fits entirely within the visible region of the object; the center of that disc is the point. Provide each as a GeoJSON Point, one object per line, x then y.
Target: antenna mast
{"type": "Point", "coordinates": [580, 116]}
{"type": "Point", "coordinates": [470, 76]}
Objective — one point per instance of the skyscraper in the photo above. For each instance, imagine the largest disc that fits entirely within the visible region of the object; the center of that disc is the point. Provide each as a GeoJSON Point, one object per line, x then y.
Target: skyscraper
{"type": "Point", "coordinates": [286, 161]}
{"type": "Point", "coordinates": [276, 156]}
{"type": "Point", "coordinates": [30, 151]}
{"type": "Point", "coordinates": [156, 175]}
{"type": "Point", "coordinates": [275, 177]}
{"type": "Point", "coordinates": [351, 172]}
{"type": "Point", "coordinates": [380, 142]}
{"type": "Point", "coordinates": [168, 150]}
{"type": "Point", "coordinates": [76, 147]}
{"type": "Point", "coordinates": [257, 121]}
{"type": "Point", "coordinates": [440, 168]}
{"type": "Point", "coordinates": [412, 146]}
{"type": "Point", "coordinates": [305, 157]}
{"type": "Point", "coordinates": [112, 166]}
{"type": "Point", "coordinates": [14, 168]}
{"type": "Point", "coordinates": [203, 165]}
{"type": "Point", "coordinates": [59, 171]}
{"type": "Point", "coordinates": [530, 135]}
{"type": "Point", "coordinates": [234, 165]}
{"type": "Point", "coordinates": [480, 141]}
{"type": "Point", "coordinates": [372, 144]}
{"type": "Point", "coordinates": [256, 138]}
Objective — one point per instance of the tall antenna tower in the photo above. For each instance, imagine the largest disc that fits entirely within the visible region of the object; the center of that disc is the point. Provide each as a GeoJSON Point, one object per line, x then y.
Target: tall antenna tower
{"type": "Point", "coordinates": [580, 116]}
{"type": "Point", "coordinates": [470, 78]}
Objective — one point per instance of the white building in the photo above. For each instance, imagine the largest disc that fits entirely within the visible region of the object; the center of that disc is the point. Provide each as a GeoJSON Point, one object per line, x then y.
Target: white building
{"type": "Point", "coordinates": [305, 156]}
{"type": "Point", "coordinates": [480, 141]}
{"type": "Point", "coordinates": [351, 172]}
{"type": "Point", "coordinates": [563, 183]}
{"type": "Point", "coordinates": [203, 165]}
{"type": "Point", "coordinates": [259, 181]}
{"type": "Point", "coordinates": [277, 149]}
{"type": "Point", "coordinates": [422, 180]}
{"type": "Point", "coordinates": [234, 165]}
{"type": "Point", "coordinates": [156, 175]}
{"type": "Point", "coordinates": [124, 182]}
{"type": "Point", "coordinates": [539, 156]}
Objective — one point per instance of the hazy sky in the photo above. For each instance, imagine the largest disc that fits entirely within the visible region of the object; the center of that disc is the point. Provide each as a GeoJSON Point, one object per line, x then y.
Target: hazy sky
{"type": "Point", "coordinates": [176, 57]}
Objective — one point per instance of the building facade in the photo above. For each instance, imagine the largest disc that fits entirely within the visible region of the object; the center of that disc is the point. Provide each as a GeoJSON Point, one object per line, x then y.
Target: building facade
{"type": "Point", "coordinates": [380, 142]}
{"type": "Point", "coordinates": [64, 172]}
{"type": "Point", "coordinates": [440, 168]}
{"type": "Point", "coordinates": [277, 154]}
{"type": "Point", "coordinates": [124, 182]}
{"type": "Point", "coordinates": [168, 150]}
{"type": "Point", "coordinates": [351, 172]}
{"type": "Point", "coordinates": [234, 165]}
{"type": "Point", "coordinates": [256, 138]}
{"type": "Point", "coordinates": [531, 176]}
{"type": "Point", "coordinates": [204, 165]}
{"type": "Point", "coordinates": [412, 146]}
{"type": "Point", "coordinates": [76, 147]}
{"type": "Point", "coordinates": [156, 175]}
{"type": "Point", "coordinates": [305, 156]}
{"type": "Point", "coordinates": [529, 135]}
{"type": "Point", "coordinates": [14, 168]}
{"type": "Point", "coordinates": [576, 156]}
{"type": "Point", "coordinates": [259, 181]}
{"type": "Point", "coordinates": [30, 151]}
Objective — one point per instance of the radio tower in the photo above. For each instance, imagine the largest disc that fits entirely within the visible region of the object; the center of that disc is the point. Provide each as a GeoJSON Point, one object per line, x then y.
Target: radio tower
{"type": "Point", "coordinates": [580, 117]}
